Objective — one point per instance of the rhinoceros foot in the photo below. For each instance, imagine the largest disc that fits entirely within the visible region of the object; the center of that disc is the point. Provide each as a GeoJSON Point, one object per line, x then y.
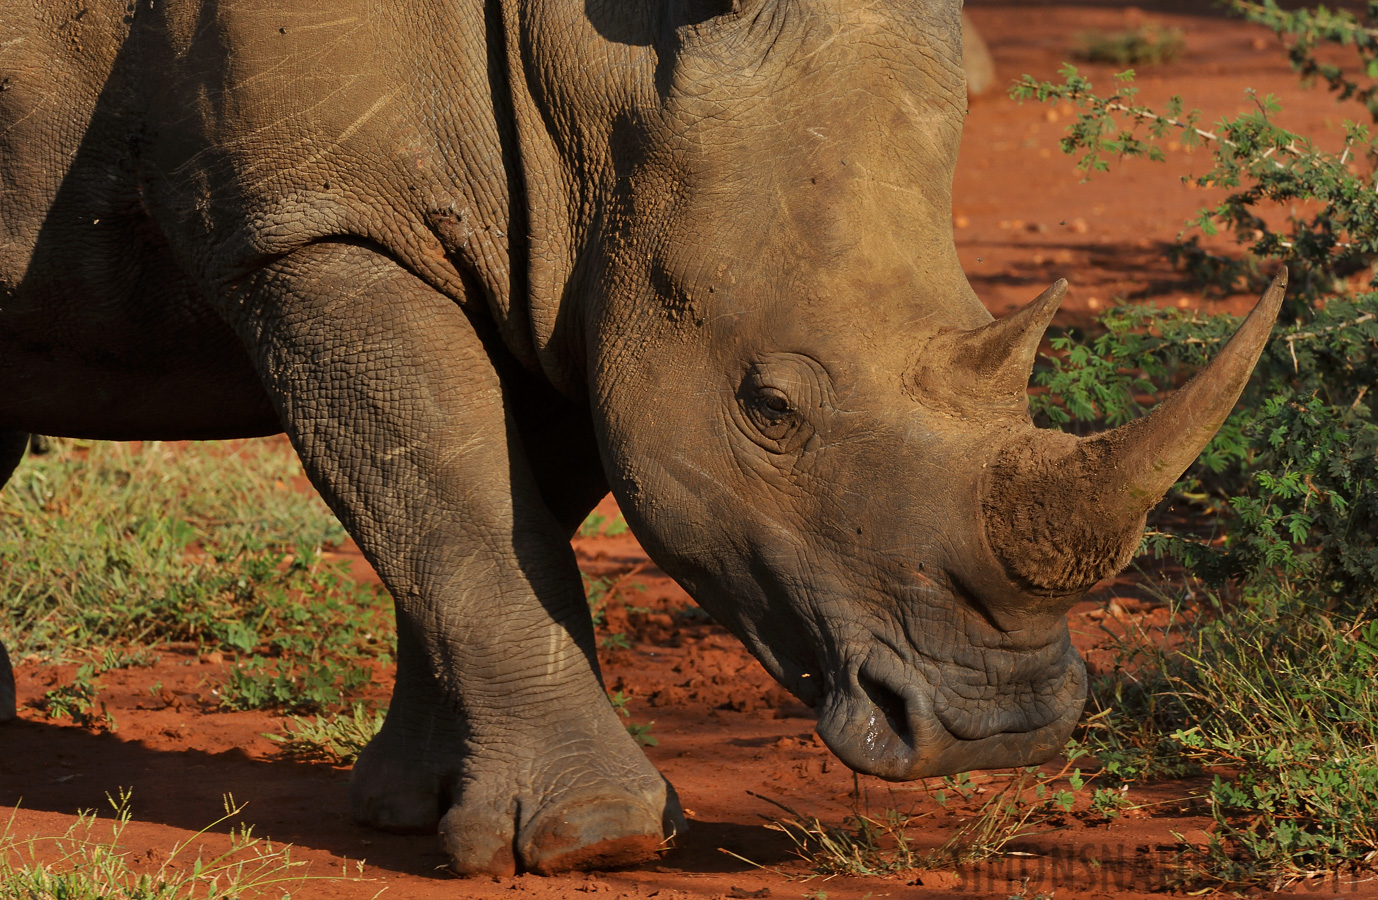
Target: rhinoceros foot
{"type": "Point", "coordinates": [590, 801]}
{"type": "Point", "coordinates": [393, 790]}
{"type": "Point", "coordinates": [599, 827]}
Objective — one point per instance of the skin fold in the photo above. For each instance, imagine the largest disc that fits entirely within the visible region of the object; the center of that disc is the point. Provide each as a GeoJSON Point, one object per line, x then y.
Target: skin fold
{"type": "Point", "coordinates": [484, 261]}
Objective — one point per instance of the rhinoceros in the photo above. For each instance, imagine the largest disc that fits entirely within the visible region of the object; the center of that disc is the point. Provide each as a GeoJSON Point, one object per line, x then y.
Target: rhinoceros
{"type": "Point", "coordinates": [486, 261]}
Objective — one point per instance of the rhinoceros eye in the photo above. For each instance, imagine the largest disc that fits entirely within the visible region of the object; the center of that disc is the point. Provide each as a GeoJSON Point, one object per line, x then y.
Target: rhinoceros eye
{"type": "Point", "coordinates": [770, 417]}
{"type": "Point", "coordinates": [774, 417]}
{"type": "Point", "coordinates": [774, 403]}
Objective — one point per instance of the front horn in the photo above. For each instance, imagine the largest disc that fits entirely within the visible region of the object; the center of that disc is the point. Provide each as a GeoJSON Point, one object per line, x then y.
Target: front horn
{"type": "Point", "coordinates": [1062, 512]}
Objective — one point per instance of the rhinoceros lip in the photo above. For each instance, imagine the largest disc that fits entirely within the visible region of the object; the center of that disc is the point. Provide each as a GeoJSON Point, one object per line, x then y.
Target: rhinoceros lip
{"type": "Point", "coordinates": [895, 733]}
{"type": "Point", "coordinates": [1043, 703]}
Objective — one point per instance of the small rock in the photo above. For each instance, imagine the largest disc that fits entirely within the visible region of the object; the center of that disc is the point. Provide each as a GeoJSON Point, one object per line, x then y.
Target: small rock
{"type": "Point", "coordinates": [594, 887]}
{"type": "Point", "coordinates": [940, 880]}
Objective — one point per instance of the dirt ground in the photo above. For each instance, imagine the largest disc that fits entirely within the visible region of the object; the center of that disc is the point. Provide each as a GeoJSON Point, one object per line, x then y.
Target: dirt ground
{"type": "Point", "coordinates": [729, 736]}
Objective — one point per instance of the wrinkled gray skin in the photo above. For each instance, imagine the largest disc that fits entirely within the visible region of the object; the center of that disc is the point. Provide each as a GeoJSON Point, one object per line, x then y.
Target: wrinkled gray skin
{"type": "Point", "coordinates": [484, 261]}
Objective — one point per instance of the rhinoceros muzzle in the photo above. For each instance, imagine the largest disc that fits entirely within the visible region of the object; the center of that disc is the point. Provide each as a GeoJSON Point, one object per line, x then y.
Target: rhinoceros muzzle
{"type": "Point", "coordinates": [887, 719]}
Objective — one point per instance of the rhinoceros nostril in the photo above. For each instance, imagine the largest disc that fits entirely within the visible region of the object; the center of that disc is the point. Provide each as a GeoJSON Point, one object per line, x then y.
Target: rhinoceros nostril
{"type": "Point", "coordinates": [890, 704]}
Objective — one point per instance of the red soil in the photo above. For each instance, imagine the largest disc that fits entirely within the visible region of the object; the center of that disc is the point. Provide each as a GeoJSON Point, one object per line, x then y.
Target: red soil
{"type": "Point", "coordinates": [728, 735]}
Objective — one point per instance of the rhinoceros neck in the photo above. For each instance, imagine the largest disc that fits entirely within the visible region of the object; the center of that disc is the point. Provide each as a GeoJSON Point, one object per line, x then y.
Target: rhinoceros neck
{"type": "Point", "coordinates": [497, 199]}
{"type": "Point", "coordinates": [569, 70]}
{"type": "Point", "coordinates": [483, 179]}
{"type": "Point", "coordinates": [536, 305]}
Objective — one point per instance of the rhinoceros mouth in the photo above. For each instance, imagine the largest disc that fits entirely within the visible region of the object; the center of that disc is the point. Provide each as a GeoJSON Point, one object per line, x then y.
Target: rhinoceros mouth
{"type": "Point", "coordinates": [888, 721]}
{"type": "Point", "coordinates": [1016, 694]}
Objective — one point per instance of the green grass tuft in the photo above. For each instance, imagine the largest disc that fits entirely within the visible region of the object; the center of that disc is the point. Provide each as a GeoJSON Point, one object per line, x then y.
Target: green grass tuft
{"type": "Point", "coordinates": [866, 844]}
{"type": "Point", "coordinates": [1277, 696]}
{"type": "Point", "coordinates": [119, 546]}
{"type": "Point", "coordinates": [1146, 45]}
{"type": "Point", "coordinates": [86, 862]}
{"type": "Point", "coordinates": [337, 739]}
{"type": "Point", "coordinates": [598, 524]}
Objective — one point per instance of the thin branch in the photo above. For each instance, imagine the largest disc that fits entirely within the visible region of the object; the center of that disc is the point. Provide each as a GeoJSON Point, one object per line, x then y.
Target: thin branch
{"type": "Point", "coordinates": [1142, 113]}
{"type": "Point", "coordinates": [1339, 326]}
{"type": "Point", "coordinates": [1291, 339]}
{"type": "Point", "coordinates": [1353, 27]}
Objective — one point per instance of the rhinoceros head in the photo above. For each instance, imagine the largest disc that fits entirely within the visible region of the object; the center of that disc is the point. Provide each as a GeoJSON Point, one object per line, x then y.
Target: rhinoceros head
{"type": "Point", "coordinates": [807, 415]}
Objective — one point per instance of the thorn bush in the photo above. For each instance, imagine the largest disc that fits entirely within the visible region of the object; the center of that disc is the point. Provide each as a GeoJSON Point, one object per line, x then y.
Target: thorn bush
{"type": "Point", "coordinates": [1275, 681]}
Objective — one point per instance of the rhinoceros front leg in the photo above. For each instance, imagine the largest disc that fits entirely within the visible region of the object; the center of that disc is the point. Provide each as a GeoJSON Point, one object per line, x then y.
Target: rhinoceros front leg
{"type": "Point", "coordinates": [12, 445]}
{"type": "Point", "coordinates": [499, 717]}
{"type": "Point", "coordinates": [8, 709]}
